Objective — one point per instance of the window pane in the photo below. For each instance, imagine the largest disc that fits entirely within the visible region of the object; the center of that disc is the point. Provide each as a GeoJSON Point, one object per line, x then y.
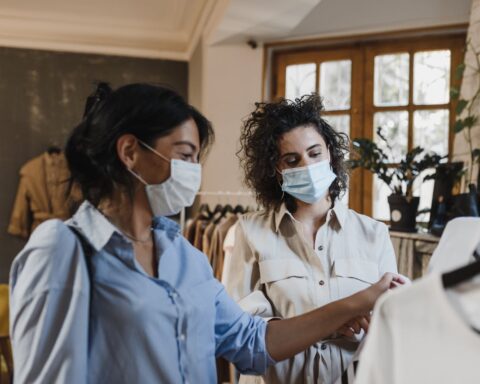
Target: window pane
{"type": "Point", "coordinates": [335, 84]}
{"type": "Point", "coordinates": [381, 210]}
{"type": "Point", "coordinates": [391, 79]}
{"type": "Point", "coordinates": [431, 130]}
{"type": "Point", "coordinates": [299, 80]}
{"type": "Point", "coordinates": [431, 78]}
{"type": "Point", "coordinates": [341, 123]}
{"type": "Point", "coordinates": [395, 130]}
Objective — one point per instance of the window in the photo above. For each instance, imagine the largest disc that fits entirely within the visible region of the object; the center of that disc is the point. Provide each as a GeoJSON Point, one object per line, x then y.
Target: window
{"type": "Point", "coordinates": [400, 85]}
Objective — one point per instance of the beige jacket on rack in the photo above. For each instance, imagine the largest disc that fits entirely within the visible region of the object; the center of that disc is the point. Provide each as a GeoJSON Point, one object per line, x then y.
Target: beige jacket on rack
{"type": "Point", "coordinates": [273, 272]}
{"type": "Point", "coordinates": [41, 193]}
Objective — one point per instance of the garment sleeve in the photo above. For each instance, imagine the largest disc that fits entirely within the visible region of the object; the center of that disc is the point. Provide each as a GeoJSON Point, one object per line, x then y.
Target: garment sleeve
{"type": "Point", "coordinates": [387, 262]}
{"type": "Point", "coordinates": [49, 308]}
{"type": "Point", "coordinates": [21, 218]}
{"type": "Point", "coordinates": [376, 361]}
{"type": "Point", "coordinates": [240, 337]}
{"type": "Point", "coordinates": [243, 283]}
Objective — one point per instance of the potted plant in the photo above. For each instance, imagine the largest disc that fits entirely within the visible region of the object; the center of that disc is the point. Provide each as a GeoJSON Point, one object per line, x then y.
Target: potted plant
{"type": "Point", "coordinates": [398, 177]}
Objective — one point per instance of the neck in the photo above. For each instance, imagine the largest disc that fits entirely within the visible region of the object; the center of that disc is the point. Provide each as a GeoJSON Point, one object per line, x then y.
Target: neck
{"type": "Point", "coordinates": [132, 216]}
{"type": "Point", "coordinates": [313, 215]}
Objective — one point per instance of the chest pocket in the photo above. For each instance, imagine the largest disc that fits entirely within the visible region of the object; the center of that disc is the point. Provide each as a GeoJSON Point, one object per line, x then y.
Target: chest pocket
{"type": "Point", "coordinates": [285, 282]}
{"type": "Point", "coordinates": [354, 275]}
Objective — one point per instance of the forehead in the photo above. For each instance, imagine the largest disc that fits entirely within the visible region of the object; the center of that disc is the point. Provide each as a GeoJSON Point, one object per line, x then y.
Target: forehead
{"type": "Point", "coordinates": [299, 139]}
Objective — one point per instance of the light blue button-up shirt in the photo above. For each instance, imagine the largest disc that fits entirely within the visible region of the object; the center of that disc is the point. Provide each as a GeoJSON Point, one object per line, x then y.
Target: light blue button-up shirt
{"type": "Point", "coordinates": [104, 320]}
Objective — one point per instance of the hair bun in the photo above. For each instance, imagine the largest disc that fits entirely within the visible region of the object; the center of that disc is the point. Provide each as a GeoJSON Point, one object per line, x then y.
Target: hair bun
{"type": "Point", "coordinates": [102, 91]}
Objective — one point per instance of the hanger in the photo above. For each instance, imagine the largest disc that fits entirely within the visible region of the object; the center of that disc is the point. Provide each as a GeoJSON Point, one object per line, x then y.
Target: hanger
{"type": "Point", "coordinates": [460, 275]}
{"type": "Point", "coordinates": [53, 149]}
{"type": "Point", "coordinates": [238, 209]}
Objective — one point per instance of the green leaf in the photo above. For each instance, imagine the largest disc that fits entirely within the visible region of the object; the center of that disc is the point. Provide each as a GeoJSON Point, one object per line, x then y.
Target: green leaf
{"type": "Point", "coordinates": [459, 126]}
{"type": "Point", "coordinates": [461, 106]}
{"type": "Point", "coordinates": [470, 121]}
{"type": "Point", "coordinates": [459, 71]}
{"type": "Point", "coordinates": [454, 93]}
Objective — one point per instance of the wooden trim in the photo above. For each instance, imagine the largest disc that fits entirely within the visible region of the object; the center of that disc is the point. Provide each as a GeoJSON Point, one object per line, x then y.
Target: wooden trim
{"type": "Point", "coordinates": [411, 107]}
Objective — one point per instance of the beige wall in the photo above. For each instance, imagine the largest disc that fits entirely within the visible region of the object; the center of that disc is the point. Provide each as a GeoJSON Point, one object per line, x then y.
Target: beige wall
{"type": "Point", "coordinates": [231, 84]}
{"type": "Point", "coordinates": [469, 86]}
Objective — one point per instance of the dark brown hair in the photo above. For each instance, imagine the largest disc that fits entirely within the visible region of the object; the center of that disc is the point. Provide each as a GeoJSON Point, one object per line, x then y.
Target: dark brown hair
{"type": "Point", "coordinates": [259, 153]}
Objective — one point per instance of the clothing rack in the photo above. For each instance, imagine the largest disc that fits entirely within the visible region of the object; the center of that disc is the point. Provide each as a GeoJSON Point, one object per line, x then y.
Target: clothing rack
{"type": "Point", "coordinates": [213, 193]}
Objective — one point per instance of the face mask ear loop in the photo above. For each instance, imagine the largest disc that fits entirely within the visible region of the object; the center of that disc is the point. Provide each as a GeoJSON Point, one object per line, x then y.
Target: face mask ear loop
{"type": "Point", "coordinates": [137, 176]}
{"type": "Point", "coordinates": [154, 151]}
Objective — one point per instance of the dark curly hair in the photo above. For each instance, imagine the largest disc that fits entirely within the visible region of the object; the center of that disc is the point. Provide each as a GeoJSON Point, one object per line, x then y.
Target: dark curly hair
{"type": "Point", "coordinates": [259, 152]}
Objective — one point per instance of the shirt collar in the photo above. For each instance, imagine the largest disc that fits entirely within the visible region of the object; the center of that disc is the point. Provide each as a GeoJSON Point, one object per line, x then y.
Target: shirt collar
{"type": "Point", "coordinates": [94, 225]}
{"type": "Point", "coordinates": [98, 230]}
{"type": "Point", "coordinates": [338, 213]}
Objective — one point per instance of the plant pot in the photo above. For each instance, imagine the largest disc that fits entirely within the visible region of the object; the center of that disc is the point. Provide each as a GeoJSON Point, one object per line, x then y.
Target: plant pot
{"type": "Point", "coordinates": [403, 213]}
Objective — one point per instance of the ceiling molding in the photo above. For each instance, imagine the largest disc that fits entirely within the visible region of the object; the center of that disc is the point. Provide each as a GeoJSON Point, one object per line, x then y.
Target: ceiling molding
{"type": "Point", "coordinates": [51, 31]}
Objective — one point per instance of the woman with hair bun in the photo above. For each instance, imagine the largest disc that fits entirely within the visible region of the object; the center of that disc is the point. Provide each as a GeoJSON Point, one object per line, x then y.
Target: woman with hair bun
{"type": "Point", "coordinates": [116, 294]}
{"type": "Point", "coordinates": [306, 249]}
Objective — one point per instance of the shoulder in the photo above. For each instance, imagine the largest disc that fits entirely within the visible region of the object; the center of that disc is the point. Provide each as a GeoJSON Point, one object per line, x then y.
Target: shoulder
{"type": "Point", "coordinates": [253, 221]}
{"type": "Point", "coordinates": [365, 224]}
{"type": "Point", "coordinates": [52, 259]}
{"type": "Point", "coordinates": [32, 166]}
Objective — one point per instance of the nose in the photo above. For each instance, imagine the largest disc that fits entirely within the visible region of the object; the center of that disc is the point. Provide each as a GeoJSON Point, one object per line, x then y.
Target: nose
{"type": "Point", "coordinates": [306, 161]}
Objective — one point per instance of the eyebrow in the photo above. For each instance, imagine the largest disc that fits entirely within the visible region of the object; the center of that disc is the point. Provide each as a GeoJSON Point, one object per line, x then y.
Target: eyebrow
{"type": "Point", "coordinates": [308, 149]}
{"type": "Point", "coordinates": [184, 142]}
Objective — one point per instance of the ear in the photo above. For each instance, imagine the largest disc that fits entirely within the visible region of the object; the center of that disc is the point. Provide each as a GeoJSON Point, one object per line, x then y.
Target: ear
{"type": "Point", "coordinates": [127, 150]}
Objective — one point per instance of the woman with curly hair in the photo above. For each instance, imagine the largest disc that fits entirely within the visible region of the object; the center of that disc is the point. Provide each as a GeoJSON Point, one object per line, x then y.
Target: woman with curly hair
{"type": "Point", "coordinates": [306, 249]}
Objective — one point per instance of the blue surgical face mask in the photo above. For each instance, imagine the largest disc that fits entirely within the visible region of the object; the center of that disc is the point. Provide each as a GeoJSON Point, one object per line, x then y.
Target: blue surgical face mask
{"type": "Point", "coordinates": [308, 184]}
{"type": "Point", "coordinates": [178, 191]}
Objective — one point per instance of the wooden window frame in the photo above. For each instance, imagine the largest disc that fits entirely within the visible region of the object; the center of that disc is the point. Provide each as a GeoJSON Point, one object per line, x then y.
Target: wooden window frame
{"type": "Point", "coordinates": [362, 51]}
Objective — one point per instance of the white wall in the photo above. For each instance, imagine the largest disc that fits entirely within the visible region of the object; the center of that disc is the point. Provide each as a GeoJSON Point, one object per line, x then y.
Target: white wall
{"type": "Point", "coordinates": [231, 84]}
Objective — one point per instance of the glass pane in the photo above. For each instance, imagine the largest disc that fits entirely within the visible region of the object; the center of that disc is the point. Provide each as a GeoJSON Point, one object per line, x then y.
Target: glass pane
{"type": "Point", "coordinates": [341, 123]}
{"type": "Point", "coordinates": [391, 79]}
{"type": "Point", "coordinates": [299, 80]}
{"type": "Point", "coordinates": [381, 210]}
{"type": "Point", "coordinates": [431, 130]}
{"type": "Point", "coordinates": [424, 189]}
{"type": "Point", "coordinates": [431, 77]}
{"type": "Point", "coordinates": [335, 84]}
{"type": "Point", "coordinates": [395, 130]}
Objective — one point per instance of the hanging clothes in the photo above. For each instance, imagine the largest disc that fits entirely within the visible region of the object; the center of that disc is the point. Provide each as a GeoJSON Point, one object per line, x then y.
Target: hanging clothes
{"type": "Point", "coordinates": [423, 334]}
{"type": "Point", "coordinates": [42, 193]}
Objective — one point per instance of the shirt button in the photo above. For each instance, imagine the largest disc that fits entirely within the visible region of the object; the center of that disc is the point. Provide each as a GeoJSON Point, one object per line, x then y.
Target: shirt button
{"type": "Point", "coordinates": [181, 337]}
{"type": "Point", "coordinates": [323, 347]}
{"type": "Point", "coordinates": [321, 282]}
{"type": "Point", "coordinates": [320, 247]}
{"type": "Point", "coordinates": [174, 295]}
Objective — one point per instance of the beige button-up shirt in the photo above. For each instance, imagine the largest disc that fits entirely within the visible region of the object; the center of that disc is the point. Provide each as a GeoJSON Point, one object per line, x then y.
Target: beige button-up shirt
{"type": "Point", "coordinates": [274, 272]}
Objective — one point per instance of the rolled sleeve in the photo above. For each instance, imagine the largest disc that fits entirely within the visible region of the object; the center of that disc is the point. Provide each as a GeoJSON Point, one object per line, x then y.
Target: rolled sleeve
{"type": "Point", "coordinates": [240, 337]}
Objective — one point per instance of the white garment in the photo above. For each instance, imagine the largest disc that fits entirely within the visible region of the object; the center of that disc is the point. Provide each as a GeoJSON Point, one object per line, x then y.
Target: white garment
{"type": "Point", "coordinates": [275, 272]}
{"type": "Point", "coordinates": [228, 245]}
{"type": "Point", "coordinates": [419, 335]}
{"type": "Point", "coordinates": [455, 249]}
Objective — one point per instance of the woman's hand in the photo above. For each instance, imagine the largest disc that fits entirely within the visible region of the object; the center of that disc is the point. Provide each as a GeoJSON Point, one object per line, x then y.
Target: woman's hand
{"type": "Point", "coordinates": [355, 326]}
{"type": "Point", "coordinates": [366, 299]}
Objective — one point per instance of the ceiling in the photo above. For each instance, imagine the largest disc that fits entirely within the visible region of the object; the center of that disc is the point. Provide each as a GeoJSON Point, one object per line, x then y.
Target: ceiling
{"type": "Point", "coordinates": [171, 29]}
{"type": "Point", "coordinates": [167, 29]}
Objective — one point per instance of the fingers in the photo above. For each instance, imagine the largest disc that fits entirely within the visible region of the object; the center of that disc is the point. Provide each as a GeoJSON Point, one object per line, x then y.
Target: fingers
{"type": "Point", "coordinates": [346, 331]}
{"type": "Point", "coordinates": [364, 323]}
